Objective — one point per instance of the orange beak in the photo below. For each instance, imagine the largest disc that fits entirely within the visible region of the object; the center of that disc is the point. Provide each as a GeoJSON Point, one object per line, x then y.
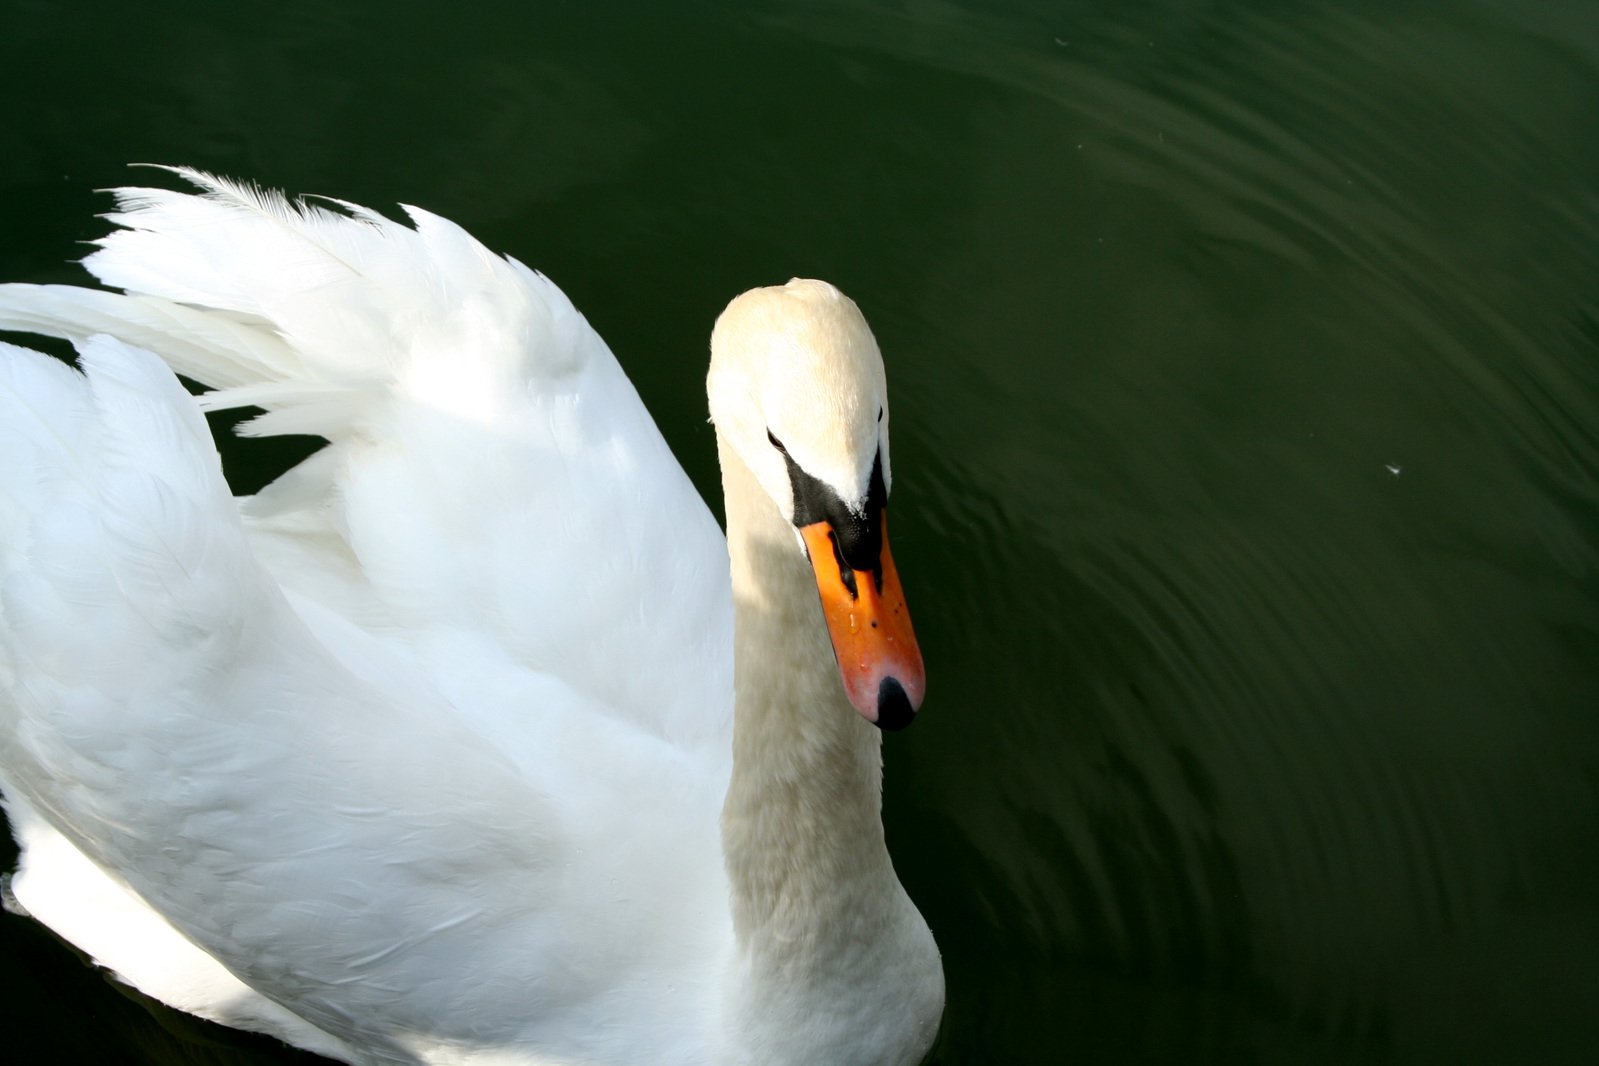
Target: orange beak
{"type": "Point", "coordinates": [871, 630]}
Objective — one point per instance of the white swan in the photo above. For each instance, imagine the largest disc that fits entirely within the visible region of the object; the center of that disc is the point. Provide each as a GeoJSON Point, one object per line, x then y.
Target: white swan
{"type": "Point", "coordinates": [455, 744]}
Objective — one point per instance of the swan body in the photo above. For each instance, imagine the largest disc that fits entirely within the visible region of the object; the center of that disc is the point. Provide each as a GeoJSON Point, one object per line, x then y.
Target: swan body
{"type": "Point", "coordinates": [470, 739]}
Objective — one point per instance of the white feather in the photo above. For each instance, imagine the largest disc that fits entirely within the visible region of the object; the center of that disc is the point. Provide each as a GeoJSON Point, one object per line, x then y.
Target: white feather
{"type": "Point", "coordinates": [418, 755]}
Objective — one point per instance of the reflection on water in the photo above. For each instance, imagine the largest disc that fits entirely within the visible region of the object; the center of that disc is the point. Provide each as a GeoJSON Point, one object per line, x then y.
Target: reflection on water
{"type": "Point", "coordinates": [1246, 378]}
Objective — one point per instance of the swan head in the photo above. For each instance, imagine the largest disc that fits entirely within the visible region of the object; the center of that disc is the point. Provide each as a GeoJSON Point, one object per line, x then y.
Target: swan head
{"type": "Point", "coordinates": [797, 389]}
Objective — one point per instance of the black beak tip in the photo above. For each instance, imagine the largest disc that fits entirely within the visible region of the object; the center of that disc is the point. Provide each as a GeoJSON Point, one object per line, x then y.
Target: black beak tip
{"type": "Point", "coordinates": [894, 711]}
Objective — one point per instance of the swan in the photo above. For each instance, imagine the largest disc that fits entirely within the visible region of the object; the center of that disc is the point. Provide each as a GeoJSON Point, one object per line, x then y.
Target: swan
{"type": "Point", "coordinates": [469, 739]}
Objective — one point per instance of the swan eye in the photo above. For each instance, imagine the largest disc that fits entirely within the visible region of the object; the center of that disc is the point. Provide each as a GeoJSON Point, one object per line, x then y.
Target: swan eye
{"type": "Point", "coordinates": [775, 442]}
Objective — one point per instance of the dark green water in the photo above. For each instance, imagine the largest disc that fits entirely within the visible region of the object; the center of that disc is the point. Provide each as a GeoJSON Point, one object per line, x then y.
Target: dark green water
{"type": "Point", "coordinates": [1246, 369]}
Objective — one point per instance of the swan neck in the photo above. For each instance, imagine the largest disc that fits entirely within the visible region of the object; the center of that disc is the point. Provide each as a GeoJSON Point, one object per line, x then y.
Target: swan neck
{"type": "Point", "coordinates": [833, 963]}
{"type": "Point", "coordinates": [802, 825]}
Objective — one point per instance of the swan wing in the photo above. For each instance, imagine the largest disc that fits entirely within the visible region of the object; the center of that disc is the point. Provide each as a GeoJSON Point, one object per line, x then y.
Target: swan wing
{"type": "Point", "coordinates": [173, 717]}
{"type": "Point", "coordinates": [297, 797]}
{"type": "Point", "coordinates": [492, 483]}
{"type": "Point", "coordinates": [425, 742]}
{"type": "Point", "coordinates": [60, 886]}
